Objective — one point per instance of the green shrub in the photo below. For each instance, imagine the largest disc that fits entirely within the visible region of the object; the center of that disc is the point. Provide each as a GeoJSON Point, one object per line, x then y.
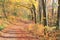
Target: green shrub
{"type": "Point", "coordinates": [1, 27]}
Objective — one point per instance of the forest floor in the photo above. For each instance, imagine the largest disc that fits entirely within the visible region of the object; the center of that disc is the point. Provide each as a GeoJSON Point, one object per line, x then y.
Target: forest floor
{"type": "Point", "coordinates": [18, 32]}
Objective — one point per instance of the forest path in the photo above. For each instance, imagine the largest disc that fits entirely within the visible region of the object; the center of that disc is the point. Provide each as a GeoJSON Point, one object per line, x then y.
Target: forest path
{"type": "Point", "coordinates": [14, 32]}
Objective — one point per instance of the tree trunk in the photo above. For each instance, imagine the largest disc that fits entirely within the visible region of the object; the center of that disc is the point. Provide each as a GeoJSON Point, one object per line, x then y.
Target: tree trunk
{"type": "Point", "coordinates": [58, 18]}
{"type": "Point", "coordinates": [3, 6]}
{"type": "Point", "coordinates": [44, 12]}
{"type": "Point", "coordinates": [40, 10]}
{"type": "Point", "coordinates": [34, 12]}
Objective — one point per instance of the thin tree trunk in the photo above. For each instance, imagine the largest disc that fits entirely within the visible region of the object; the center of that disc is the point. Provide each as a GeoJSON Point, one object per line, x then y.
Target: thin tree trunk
{"type": "Point", "coordinates": [34, 12]}
{"type": "Point", "coordinates": [40, 10]}
{"type": "Point", "coordinates": [44, 12]}
{"type": "Point", "coordinates": [58, 21]}
{"type": "Point", "coordinates": [3, 5]}
{"type": "Point", "coordinates": [52, 23]}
